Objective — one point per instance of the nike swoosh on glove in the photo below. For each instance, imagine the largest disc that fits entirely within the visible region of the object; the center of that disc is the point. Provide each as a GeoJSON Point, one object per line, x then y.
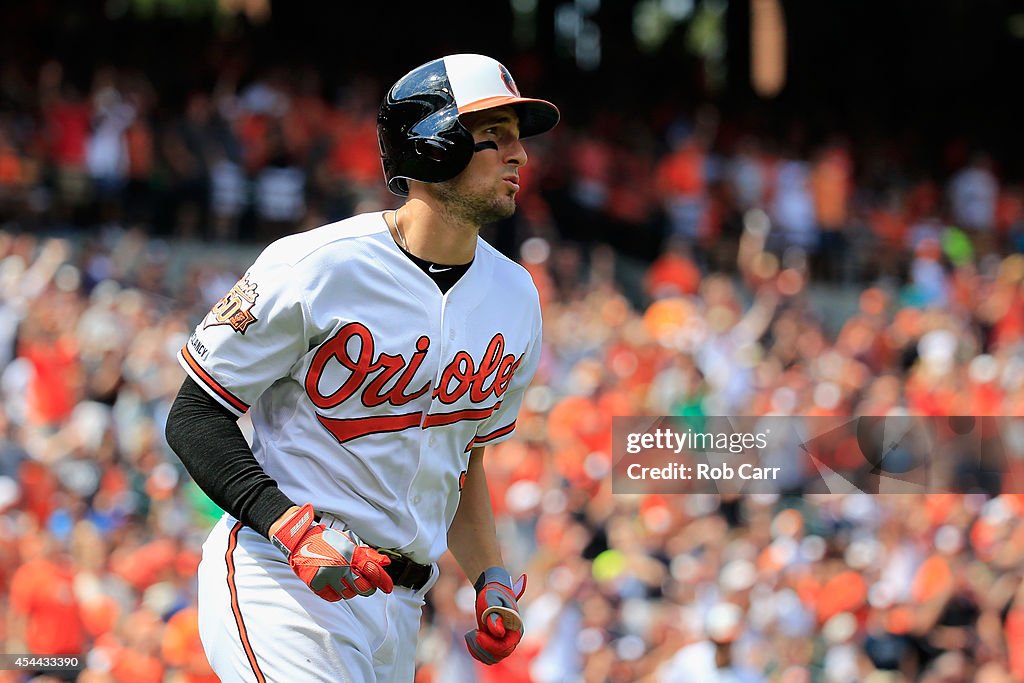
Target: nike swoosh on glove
{"type": "Point", "coordinates": [499, 626]}
{"type": "Point", "coordinates": [335, 564]}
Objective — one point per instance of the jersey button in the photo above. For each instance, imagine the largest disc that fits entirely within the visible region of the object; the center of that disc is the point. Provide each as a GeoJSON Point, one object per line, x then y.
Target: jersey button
{"type": "Point", "coordinates": [416, 500]}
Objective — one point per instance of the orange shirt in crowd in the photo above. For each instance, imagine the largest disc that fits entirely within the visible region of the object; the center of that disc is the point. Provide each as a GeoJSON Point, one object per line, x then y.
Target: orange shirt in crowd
{"type": "Point", "coordinates": [182, 649]}
{"type": "Point", "coordinates": [1009, 328]}
{"type": "Point", "coordinates": [355, 154]}
{"type": "Point", "coordinates": [10, 167]}
{"type": "Point", "coordinates": [252, 132]}
{"type": "Point", "coordinates": [142, 567]}
{"type": "Point", "coordinates": [38, 489]}
{"type": "Point", "coordinates": [672, 275]}
{"type": "Point", "coordinates": [139, 139]}
{"type": "Point", "coordinates": [137, 667]}
{"type": "Point", "coordinates": [933, 578]}
{"type": "Point", "coordinates": [682, 172]}
{"type": "Point", "coordinates": [51, 394]}
{"type": "Point", "coordinates": [845, 592]}
{"type": "Point", "coordinates": [830, 189]}
{"type": "Point", "coordinates": [1015, 641]}
{"type": "Point", "coordinates": [42, 592]}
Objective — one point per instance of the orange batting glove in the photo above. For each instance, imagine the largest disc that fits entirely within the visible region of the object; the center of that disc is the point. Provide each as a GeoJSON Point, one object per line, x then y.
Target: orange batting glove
{"type": "Point", "coordinates": [499, 627]}
{"type": "Point", "coordinates": [335, 564]}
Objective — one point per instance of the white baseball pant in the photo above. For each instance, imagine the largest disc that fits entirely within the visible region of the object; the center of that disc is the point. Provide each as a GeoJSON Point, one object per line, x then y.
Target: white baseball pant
{"type": "Point", "coordinates": [259, 622]}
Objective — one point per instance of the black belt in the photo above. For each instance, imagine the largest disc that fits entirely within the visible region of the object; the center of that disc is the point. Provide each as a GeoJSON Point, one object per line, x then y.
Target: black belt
{"type": "Point", "coordinates": [403, 571]}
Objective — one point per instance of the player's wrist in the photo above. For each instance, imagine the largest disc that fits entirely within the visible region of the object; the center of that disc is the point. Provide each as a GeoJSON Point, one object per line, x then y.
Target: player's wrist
{"type": "Point", "coordinates": [288, 530]}
{"type": "Point", "coordinates": [282, 519]}
{"type": "Point", "coordinates": [495, 574]}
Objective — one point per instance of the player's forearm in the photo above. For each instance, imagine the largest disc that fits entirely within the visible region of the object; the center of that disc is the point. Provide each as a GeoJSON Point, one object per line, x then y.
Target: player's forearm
{"type": "Point", "coordinates": [207, 439]}
{"type": "Point", "coordinates": [471, 536]}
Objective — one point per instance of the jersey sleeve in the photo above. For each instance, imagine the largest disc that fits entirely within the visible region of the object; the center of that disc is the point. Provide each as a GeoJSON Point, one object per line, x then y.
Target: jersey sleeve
{"type": "Point", "coordinates": [502, 423]}
{"type": "Point", "coordinates": [250, 338]}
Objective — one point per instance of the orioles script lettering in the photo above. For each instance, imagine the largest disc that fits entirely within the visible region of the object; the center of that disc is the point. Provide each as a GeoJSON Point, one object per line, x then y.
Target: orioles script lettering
{"type": "Point", "coordinates": [382, 378]}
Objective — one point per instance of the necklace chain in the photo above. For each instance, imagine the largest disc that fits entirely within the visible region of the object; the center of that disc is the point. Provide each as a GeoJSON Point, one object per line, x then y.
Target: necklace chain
{"type": "Point", "coordinates": [398, 231]}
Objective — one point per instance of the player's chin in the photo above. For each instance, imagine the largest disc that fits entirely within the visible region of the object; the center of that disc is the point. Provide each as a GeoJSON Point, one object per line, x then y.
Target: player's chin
{"type": "Point", "coordinates": [509, 209]}
{"type": "Point", "coordinates": [502, 208]}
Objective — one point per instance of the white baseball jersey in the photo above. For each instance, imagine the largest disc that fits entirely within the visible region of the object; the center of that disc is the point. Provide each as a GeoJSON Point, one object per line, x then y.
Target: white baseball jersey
{"type": "Point", "coordinates": [368, 387]}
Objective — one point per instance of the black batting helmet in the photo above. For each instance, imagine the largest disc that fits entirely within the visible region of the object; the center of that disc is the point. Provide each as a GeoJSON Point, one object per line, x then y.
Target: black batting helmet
{"type": "Point", "coordinates": [418, 125]}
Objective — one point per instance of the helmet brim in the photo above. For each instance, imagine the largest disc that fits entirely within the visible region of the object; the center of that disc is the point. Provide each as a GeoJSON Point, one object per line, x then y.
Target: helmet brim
{"type": "Point", "coordinates": [535, 116]}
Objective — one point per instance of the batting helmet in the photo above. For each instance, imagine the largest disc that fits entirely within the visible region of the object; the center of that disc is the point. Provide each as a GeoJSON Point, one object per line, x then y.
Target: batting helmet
{"type": "Point", "coordinates": [418, 127]}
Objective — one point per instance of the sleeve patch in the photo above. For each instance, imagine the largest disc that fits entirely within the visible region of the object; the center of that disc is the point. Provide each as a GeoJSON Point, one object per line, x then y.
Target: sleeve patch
{"type": "Point", "coordinates": [235, 309]}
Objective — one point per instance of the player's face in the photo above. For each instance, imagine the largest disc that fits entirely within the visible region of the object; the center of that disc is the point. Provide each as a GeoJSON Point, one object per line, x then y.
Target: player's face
{"type": "Point", "coordinates": [486, 190]}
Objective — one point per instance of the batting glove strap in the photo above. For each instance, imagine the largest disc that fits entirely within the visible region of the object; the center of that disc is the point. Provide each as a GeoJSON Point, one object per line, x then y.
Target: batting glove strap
{"type": "Point", "coordinates": [336, 565]}
{"type": "Point", "coordinates": [493, 575]}
{"type": "Point", "coordinates": [293, 530]}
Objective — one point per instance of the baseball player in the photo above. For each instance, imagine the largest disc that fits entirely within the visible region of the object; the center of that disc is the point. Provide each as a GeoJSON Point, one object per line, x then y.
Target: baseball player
{"type": "Point", "coordinates": [377, 357]}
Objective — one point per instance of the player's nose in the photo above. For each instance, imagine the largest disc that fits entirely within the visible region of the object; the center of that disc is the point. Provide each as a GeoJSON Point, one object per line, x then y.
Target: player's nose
{"type": "Point", "coordinates": [515, 153]}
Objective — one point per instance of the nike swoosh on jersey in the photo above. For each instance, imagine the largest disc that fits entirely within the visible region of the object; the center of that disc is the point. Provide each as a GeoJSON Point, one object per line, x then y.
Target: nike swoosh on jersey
{"type": "Point", "coordinates": [435, 269]}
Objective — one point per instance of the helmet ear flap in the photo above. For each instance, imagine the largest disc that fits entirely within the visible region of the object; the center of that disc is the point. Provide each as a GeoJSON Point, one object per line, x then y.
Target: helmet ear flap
{"type": "Point", "coordinates": [442, 155]}
{"type": "Point", "coordinates": [419, 131]}
{"type": "Point", "coordinates": [430, 148]}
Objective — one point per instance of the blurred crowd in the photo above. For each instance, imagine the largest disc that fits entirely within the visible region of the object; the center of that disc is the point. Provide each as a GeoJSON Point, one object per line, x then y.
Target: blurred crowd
{"type": "Point", "coordinates": [254, 155]}
{"type": "Point", "coordinates": [101, 527]}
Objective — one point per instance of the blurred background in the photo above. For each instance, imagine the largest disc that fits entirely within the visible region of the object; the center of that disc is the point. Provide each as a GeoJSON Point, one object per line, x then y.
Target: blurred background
{"type": "Point", "coordinates": [750, 207]}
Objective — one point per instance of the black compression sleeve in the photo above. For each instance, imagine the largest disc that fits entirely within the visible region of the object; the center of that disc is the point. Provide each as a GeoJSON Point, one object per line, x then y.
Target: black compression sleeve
{"type": "Point", "coordinates": [206, 437]}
